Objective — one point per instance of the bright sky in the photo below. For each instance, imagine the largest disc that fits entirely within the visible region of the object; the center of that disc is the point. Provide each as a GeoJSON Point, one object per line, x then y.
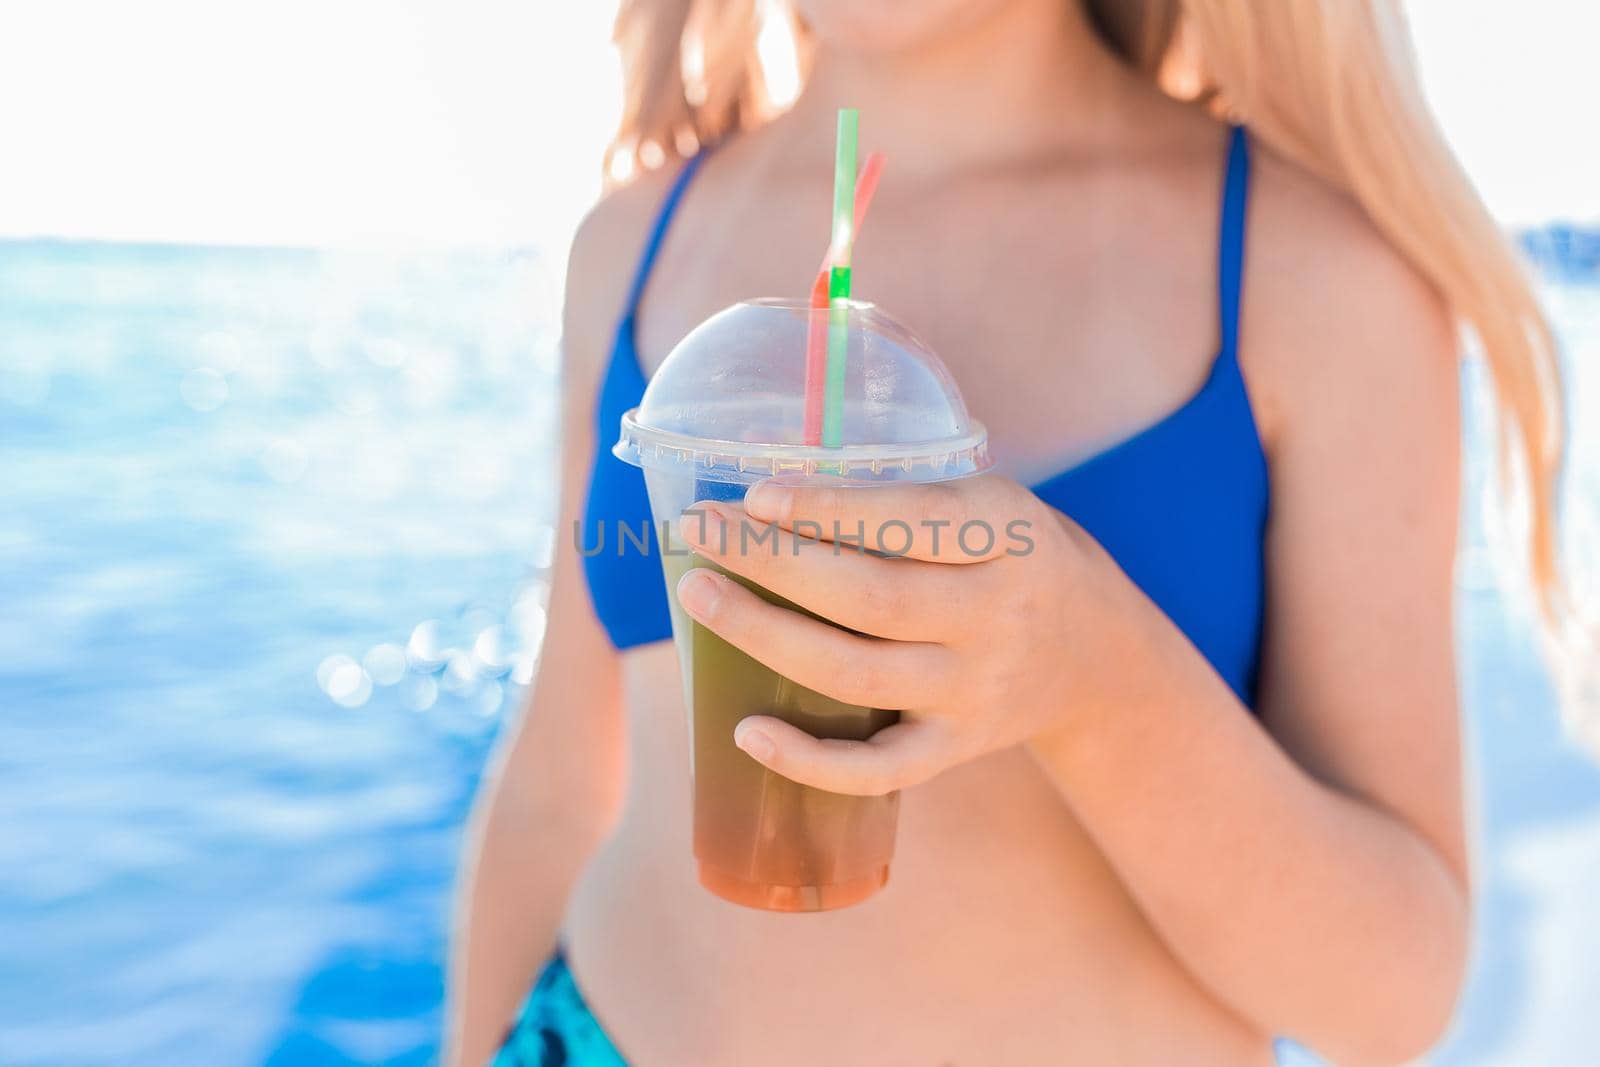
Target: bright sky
{"type": "Point", "coordinates": [403, 121]}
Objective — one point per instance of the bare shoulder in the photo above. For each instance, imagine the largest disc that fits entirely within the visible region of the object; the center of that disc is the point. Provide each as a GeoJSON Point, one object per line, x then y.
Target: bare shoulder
{"type": "Point", "coordinates": [605, 253]}
{"type": "Point", "coordinates": [1334, 315]}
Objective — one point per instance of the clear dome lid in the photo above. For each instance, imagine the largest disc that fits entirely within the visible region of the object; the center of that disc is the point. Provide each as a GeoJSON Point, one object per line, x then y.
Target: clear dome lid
{"type": "Point", "coordinates": [730, 401]}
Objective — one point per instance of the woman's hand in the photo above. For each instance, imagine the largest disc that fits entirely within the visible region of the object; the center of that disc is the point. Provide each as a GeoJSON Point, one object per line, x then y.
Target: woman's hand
{"type": "Point", "coordinates": [994, 620]}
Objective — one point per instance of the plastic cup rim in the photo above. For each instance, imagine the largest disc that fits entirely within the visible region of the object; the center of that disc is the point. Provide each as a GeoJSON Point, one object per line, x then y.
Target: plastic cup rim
{"type": "Point", "coordinates": [936, 454]}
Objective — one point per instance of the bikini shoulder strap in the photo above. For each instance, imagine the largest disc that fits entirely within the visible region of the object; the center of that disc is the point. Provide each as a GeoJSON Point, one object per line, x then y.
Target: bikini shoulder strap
{"type": "Point", "coordinates": [1230, 248]}
{"type": "Point", "coordinates": [658, 232]}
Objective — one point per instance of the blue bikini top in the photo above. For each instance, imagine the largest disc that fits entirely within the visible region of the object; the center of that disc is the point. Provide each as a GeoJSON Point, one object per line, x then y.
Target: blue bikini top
{"type": "Point", "coordinates": [1181, 505]}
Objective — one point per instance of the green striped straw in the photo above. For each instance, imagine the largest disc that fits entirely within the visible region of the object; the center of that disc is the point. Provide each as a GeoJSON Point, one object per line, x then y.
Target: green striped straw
{"type": "Point", "coordinates": [844, 201]}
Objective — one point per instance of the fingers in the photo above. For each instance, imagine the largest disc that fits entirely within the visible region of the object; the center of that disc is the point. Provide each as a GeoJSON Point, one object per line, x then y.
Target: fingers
{"type": "Point", "coordinates": [969, 520]}
{"type": "Point", "coordinates": [902, 599]}
{"type": "Point", "coordinates": [857, 670]}
{"type": "Point", "coordinates": [896, 757]}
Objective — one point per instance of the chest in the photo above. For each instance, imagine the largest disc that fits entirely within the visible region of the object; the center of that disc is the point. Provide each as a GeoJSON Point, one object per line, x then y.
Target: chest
{"type": "Point", "coordinates": [1071, 312]}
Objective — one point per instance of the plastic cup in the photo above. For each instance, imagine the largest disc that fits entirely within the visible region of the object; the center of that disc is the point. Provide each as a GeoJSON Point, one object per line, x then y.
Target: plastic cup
{"type": "Point", "coordinates": [726, 410]}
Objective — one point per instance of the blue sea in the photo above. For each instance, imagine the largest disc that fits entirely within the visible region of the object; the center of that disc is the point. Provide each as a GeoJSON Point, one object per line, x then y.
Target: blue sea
{"type": "Point", "coordinates": [273, 551]}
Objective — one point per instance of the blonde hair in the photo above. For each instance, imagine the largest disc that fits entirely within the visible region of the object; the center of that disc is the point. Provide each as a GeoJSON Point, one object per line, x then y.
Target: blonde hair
{"type": "Point", "coordinates": [1329, 84]}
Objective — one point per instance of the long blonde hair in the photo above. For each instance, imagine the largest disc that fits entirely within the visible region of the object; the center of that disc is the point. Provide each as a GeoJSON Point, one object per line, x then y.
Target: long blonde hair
{"type": "Point", "coordinates": [1330, 84]}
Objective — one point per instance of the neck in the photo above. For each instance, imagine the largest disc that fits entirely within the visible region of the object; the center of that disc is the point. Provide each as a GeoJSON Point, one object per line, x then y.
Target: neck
{"type": "Point", "coordinates": [1033, 73]}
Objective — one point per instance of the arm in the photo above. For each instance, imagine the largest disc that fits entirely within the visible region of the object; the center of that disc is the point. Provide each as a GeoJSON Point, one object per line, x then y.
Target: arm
{"type": "Point", "coordinates": [555, 781]}
{"type": "Point", "coordinates": [1316, 879]}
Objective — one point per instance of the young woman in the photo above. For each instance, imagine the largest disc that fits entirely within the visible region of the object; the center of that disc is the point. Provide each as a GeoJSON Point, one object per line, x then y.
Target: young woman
{"type": "Point", "coordinates": [1184, 778]}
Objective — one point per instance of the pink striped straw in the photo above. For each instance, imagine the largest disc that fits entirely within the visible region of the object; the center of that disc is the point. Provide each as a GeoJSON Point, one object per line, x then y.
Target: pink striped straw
{"type": "Point", "coordinates": [817, 332]}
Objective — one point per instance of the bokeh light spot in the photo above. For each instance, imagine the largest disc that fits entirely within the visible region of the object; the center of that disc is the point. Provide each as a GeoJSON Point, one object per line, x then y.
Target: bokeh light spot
{"type": "Point", "coordinates": [424, 650]}
{"type": "Point", "coordinates": [344, 681]}
{"type": "Point", "coordinates": [385, 663]}
{"type": "Point", "coordinates": [418, 692]}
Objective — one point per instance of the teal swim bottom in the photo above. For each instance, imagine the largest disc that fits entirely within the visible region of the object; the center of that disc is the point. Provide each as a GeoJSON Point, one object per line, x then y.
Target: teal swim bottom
{"type": "Point", "coordinates": [555, 1028]}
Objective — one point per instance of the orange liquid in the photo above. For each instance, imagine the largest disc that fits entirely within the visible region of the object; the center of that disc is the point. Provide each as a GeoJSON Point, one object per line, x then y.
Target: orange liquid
{"type": "Point", "coordinates": [760, 839]}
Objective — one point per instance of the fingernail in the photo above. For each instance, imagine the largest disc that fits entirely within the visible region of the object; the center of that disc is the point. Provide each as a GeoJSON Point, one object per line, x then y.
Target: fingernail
{"type": "Point", "coordinates": [754, 742]}
{"type": "Point", "coordinates": [768, 500]}
{"type": "Point", "coordinates": [698, 591]}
